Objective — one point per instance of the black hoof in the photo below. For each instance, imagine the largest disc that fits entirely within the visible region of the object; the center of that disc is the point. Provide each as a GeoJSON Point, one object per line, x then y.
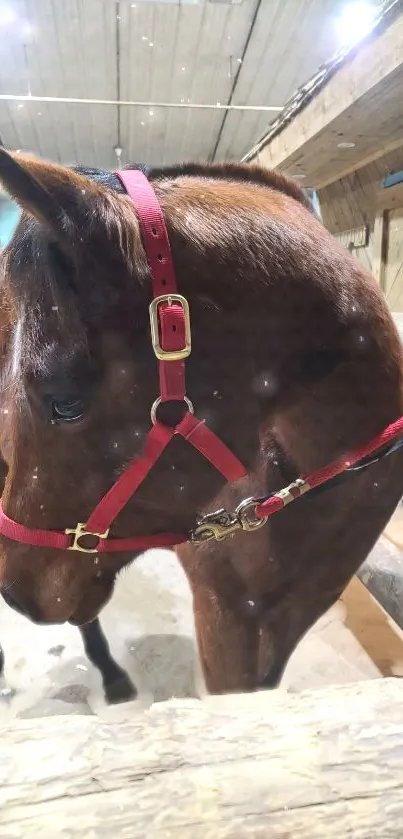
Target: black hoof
{"type": "Point", "coordinates": [122, 690]}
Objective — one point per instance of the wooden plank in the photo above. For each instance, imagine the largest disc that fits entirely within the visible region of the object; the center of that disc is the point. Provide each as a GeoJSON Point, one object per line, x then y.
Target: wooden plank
{"type": "Point", "coordinates": [268, 766]}
{"type": "Point", "coordinates": [393, 275]}
{"type": "Point", "coordinates": [383, 578]}
{"type": "Point", "coordinates": [359, 193]}
{"type": "Point", "coordinates": [354, 238]}
{"type": "Point", "coordinates": [380, 247]}
{"type": "Point", "coordinates": [360, 104]}
{"type": "Point", "coordinates": [373, 613]}
{"type": "Point", "coordinates": [348, 165]}
{"type": "Point", "coordinates": [391, 198]}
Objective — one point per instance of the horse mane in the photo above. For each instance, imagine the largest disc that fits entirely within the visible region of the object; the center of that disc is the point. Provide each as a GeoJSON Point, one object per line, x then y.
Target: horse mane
{"type": "Point", "coordinates": [242, 173]}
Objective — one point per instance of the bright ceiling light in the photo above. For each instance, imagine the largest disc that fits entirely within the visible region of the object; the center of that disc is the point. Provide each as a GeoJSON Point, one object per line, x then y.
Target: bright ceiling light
{"type": "Point", "coordinates": [28, 32]}
{"type": "Point", "coordinates": [7, 14]}
{"type": "Point", "coordinates": [355, 21]}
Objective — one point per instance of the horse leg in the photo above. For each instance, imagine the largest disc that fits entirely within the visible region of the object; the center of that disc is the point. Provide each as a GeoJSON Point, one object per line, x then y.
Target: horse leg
{"type": "Point", "coordinates": [227, 628]}
{"type": "Point", "coordinates": [275, 651]}
{"type": "Point", "coordinates": [228, 644]}
{"type": "Point", "coordinates": [116, 682]}
{"type": "Point", "coordinates": [6, 693]}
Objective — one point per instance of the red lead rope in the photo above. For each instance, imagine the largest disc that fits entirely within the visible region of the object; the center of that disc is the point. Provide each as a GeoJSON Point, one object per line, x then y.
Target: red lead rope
{"type": "Point", "coordinates": [280, 499]}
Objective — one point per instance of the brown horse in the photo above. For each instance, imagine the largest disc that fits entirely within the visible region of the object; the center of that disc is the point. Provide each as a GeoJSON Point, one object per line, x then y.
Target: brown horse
{"type": "Point", "coordinates": [295, 360]}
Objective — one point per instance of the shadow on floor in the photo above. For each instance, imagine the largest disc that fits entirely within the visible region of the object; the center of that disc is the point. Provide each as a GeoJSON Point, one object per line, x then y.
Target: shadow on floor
{"type": "Point", "coordinates": [166, 665]}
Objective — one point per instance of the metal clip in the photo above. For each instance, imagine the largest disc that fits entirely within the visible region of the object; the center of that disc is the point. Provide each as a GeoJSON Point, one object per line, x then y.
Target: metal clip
{"type": "Point", "coordinates": [221, 523]}
{"type": "Point", "coordinates": [215, 526]}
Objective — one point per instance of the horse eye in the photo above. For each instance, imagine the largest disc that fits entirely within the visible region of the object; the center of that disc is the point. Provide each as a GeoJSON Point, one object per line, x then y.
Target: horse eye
{"type": "Point", "coordinates": [67, 410]}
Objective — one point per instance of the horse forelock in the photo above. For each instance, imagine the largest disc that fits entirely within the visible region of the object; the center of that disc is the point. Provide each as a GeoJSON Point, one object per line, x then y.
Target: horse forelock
{"type": "Point", "coordinates": [60, 293]}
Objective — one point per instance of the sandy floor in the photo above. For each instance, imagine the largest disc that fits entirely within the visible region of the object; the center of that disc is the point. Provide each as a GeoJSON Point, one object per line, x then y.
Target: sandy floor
{"type": "Point", "coordinates": [149, 625]}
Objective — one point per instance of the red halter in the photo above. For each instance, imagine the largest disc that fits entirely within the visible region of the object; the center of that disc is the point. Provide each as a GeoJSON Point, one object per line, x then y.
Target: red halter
{"type": "Point", "coordinates": [171, 339]}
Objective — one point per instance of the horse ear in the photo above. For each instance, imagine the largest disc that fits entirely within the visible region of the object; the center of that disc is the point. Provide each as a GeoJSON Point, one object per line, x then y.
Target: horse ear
{"type": "Point", "coordinates": [46, 191]}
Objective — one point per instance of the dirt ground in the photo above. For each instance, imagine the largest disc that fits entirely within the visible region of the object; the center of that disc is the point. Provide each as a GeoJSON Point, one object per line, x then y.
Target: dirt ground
{"type": "Point", "coordinates": [149, 625]}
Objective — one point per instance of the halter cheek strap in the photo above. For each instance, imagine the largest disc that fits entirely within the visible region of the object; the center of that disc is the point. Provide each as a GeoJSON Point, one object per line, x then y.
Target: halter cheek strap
{"type": "Point", "coordinates": [171, 340]}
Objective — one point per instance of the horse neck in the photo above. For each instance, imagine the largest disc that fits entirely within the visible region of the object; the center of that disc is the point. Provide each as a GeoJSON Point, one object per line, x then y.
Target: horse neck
{"type": "Point", "coordinates": [312, 384]}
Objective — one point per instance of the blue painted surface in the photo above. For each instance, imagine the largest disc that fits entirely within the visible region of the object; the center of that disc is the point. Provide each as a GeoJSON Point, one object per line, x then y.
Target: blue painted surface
{"type": "Point", "coordinates": [393, 179]}
{"type": "Point", "coordinates": [314, 198]}
{"type": "Point", "coordinates": [9, 217]}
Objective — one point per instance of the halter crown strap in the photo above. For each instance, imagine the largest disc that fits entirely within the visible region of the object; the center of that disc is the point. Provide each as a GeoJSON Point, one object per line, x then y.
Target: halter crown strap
{"type": "Point", "coordinates": [169, 316]}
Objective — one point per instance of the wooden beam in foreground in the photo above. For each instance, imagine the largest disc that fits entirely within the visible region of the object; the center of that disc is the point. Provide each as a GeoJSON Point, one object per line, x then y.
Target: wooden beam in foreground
{"type": "Point", "coordinates": [361, 104]}
{"type": "Point", "coordinates": [268, 766]}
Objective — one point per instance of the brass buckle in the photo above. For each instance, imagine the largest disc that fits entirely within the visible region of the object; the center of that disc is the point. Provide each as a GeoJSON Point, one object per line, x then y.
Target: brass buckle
{"type": "Point", "coordinates": [170, 355]}
{"type": "Point", "coordinates": [80, 531]}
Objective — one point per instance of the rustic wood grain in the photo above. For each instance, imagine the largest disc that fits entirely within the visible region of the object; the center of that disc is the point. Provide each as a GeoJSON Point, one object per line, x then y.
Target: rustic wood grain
{"type": "Point", "coordinates": [325, 763]}
{"type": "Point", "coordinates": [354, 200]}
{"type": "Point", "coordinates": [379, 249]}
{"type": "Point", "coordinates": [361, 104]}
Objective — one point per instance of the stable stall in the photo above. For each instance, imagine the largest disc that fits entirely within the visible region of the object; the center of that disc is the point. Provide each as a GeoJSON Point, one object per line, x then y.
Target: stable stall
{"type": "Point", "coordinates": [341, 135]}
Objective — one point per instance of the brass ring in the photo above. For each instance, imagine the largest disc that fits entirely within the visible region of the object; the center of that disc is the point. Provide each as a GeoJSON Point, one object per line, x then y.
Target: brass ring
{"type": "Point", "coordinates": [157, 403]}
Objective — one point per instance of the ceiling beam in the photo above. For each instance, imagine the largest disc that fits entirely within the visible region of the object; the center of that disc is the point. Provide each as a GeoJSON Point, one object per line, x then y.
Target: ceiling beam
{"type": "Point", "coordinates": [135, 103]}
{"type": "Point", "coordinates": [236, 80]}
{"type": "Point", "coordinates": [361, 104]}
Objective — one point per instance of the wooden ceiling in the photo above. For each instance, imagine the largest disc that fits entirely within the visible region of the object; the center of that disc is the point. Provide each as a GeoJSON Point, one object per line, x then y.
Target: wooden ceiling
{"type": "Point", "coordinates": [361, 105]}
{"type": "Point", "coordinates": [194, 57]}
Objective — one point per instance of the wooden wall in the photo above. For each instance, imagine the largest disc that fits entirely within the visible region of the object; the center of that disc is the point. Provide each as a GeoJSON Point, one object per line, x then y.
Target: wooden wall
{"type": "Point", "coordinates": [351, 203]}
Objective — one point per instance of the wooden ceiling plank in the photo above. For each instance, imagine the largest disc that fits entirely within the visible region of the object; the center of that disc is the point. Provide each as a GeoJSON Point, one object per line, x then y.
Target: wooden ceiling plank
{"type": "Point", "coordinates": [365, 91]}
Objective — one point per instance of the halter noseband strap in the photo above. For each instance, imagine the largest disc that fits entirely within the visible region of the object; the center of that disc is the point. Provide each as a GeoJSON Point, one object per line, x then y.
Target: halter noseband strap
{"type": "Point", "coordinates": [171, 340]}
